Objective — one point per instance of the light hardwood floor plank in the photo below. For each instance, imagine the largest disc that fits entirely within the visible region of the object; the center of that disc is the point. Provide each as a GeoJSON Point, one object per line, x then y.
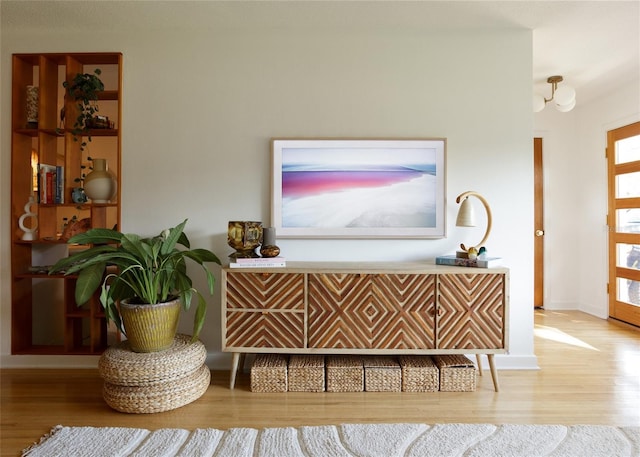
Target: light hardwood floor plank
{"type": "Point", "coordinates": [590, 374]}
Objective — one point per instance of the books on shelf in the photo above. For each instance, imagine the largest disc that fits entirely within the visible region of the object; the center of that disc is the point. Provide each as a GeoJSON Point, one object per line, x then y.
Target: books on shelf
{"type": "Point", "coordinates": [259, 262]}
{"type": "Point", "coordinates": [50, 184]}
{"type": "Point", "coordinates": [486, 262]}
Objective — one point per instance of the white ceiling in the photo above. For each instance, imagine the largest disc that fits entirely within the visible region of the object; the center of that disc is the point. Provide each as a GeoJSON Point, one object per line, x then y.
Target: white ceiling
{"type": "Point", "coordinates": [594, 45]}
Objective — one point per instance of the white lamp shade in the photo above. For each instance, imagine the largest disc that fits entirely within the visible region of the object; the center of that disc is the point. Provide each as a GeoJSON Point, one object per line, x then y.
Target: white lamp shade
{"type": "Point", "coordinates": [538, 103]}
{"type": "Point", "coordinates": [466, 214]}
{"type": "Point", "coordinates": [566, 108]}
{"type": "Point", "coordinates": [564, 95]}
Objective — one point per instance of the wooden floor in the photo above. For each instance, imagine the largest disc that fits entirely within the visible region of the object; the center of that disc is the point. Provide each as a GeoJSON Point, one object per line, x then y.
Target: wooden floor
{"type": "Point", "coordinates": [590, 374]}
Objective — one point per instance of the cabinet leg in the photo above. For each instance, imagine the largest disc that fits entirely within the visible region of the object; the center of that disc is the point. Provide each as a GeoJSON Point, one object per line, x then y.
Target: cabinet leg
{"type": "Point", "coordinates": [494, 372]}
{"type": "Point", "coordinates": [479, 363]}
{"type": "Point", "coordinates": [234, 370]}
{"type": "Point", "coordinates": [243, 358]}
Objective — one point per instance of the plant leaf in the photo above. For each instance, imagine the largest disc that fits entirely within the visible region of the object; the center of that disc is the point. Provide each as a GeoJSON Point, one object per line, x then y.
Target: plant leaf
{"type": "Point", "coordinates": [88, 282]}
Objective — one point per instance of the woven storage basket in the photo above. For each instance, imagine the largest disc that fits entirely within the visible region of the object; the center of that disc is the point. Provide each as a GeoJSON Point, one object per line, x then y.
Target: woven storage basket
{"type": "Point", "coordinates": [119, 365]}
{"type": "Point", "coordinates": [306, 373]}
{"type": "Point", "coordinates": [158, 397]}
{"type": "Point", "coordinates": [269, 373]}
{"type": "Point", "coordinates": [382, 374]}
{"type": "Point", "coordinates": [457, 373]}
{"type": "Point", "coordinates": [344, 373]}
{"type": "Point", "coordinates": [419, 374]}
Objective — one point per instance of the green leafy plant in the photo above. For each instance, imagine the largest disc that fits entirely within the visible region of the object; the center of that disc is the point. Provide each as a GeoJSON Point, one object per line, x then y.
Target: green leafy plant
{"type": "Point", "coordinates": [149, 270]}
{"type": "Point", "coordinates": [84, 89]}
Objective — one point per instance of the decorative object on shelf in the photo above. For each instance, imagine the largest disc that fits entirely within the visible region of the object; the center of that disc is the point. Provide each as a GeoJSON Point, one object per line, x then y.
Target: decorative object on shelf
{"type": "Point", "coordinates": [150, 271]}
{"type": "Point", "coordinates": [75, 227]}
{"type": "Point", "coordinates": [99, 122]}
{"type": "Point", "coordinates": [32, 107]}
{"type": "Point", "coordinates": [564, 97]}
{"type": "Point", "coordinates": [29, 232]}
{"type": "Point", "coordinates": [269, 247]}
{"type": "Point", "coordinates": [78, 195]}
{"type": "Point", "coordinates": [466, 218]}
{"type": "Point", "coordinates": [99, 184]}
{"type": "Point", "coordinates": [244, 237]}
{"type": "Point", "coordinates": [84, 89]}
{"type": "Point", "coordinates": [269, 251]}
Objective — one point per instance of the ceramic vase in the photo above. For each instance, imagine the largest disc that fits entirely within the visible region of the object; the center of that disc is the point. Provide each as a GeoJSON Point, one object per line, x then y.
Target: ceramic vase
{"type": "Point", "coordinates": [100, 185]}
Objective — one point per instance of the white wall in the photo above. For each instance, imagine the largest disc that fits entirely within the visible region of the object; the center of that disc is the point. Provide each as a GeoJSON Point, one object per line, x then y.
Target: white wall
{"type": "Point", "coordinates": [575, 168]}
{"type": "Point", "coordinates": [202, 102]}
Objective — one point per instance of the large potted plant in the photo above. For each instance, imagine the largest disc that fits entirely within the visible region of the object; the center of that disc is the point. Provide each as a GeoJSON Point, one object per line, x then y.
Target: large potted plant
{"type": "Point", "coordinates": [140, 278]}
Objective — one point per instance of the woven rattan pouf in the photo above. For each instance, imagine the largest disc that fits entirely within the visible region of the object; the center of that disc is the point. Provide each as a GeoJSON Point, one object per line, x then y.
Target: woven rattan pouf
{"type": "Point", "coordinates": [155, 381]}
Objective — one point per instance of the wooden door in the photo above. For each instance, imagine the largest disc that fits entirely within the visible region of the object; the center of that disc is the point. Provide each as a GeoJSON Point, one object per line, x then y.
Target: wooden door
{"type": "Point", "coordinates": [371, 311]}
{"type": "Point", "coordinates": [538, 243]}
{"type": "Point", "coordinates": [471, 311]}
{"type": "Point", "coordinates": [623, 158]}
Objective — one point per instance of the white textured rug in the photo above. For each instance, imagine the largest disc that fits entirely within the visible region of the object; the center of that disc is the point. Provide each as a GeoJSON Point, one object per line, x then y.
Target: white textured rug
{"type": "Point", "coordinates": [361, 440]}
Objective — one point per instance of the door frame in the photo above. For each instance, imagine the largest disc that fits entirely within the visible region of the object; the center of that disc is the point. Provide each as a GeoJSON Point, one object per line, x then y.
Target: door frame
{"type": "Point", "coordinates": [538, 232]}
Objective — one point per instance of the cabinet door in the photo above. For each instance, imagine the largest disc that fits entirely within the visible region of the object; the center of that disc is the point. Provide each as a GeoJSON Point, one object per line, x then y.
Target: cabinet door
{"type": "Point", "coordinates": [264, 310]}
{"type": "Point", "coordinates": [471, 310]}
{"type": "Point", "coordinates": [371, 311]}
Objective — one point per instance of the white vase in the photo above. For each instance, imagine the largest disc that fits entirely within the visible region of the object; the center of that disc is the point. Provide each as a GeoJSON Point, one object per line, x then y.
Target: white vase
{"type": "Point", "coordinates": [100, 185]}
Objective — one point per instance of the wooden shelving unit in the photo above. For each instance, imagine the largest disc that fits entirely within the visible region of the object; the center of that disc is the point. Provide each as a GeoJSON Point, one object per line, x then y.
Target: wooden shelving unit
{"type": "Point", "coordinates": [44, 316]}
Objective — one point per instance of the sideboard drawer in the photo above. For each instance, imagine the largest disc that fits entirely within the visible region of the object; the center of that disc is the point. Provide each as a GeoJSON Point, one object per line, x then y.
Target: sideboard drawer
{"type": "Point", "coordinates": [259, 291]}
{"type": "Point", "coordinates": [264, 329]}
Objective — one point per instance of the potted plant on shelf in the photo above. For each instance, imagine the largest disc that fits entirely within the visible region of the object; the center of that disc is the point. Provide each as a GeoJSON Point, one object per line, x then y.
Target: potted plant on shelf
{"type": "Point", "coordinates": [84, 89]}
{"type": "Point", "coordinates": [149, 284]}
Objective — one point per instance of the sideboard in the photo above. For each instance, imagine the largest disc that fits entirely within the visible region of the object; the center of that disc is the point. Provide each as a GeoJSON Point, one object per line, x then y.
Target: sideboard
{"type": "Point", "coordinates": [365, 308]}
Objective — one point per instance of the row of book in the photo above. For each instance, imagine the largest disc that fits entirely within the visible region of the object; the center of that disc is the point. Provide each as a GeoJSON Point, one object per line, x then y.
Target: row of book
{"type": "Point", "coordinates": [50, 184]}
{"type": "Point", "coordinates": [479, 262]}
{"type": "Point", "coordinates": [259, 262]}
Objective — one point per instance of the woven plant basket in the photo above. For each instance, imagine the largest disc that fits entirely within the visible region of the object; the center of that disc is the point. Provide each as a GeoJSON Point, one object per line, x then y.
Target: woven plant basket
{"type": "Point", "coordinates": [118, 365]}
{"type": "Point", "coordinates": [150, 328]}
{"type": "Point", "coordinates": [158, 397]}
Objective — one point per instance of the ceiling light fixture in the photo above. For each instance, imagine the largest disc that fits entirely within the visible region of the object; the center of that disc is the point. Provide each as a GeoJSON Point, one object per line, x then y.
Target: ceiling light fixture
{"type": "Point", "coordinates": [563, 98]}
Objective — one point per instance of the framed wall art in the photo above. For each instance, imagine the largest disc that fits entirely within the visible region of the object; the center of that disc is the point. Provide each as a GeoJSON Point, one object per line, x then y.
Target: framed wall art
{"type": "Point", "coordinates": [358, 188]}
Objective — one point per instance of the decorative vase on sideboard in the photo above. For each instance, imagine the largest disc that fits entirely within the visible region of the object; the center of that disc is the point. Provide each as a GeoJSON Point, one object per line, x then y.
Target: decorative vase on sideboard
{"type": "Point", "coordinates": [100, 185]}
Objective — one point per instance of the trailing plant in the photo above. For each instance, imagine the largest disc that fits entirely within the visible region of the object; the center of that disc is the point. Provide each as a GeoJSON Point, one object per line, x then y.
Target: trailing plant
{"type": "Point", "coordinates": [149, 270]}
{"type": "Point", "coordinates": [84, 89]}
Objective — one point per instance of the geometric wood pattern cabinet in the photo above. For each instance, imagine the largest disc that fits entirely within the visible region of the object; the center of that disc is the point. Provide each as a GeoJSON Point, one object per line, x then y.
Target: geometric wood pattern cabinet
{"type": "Point", "coordinates": [354, 308]}
{"type": "Point", "coordinates": [44, 315]}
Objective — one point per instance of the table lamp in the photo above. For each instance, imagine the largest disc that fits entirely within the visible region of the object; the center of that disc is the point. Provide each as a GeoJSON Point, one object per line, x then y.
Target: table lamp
{"type": "Point", "coordinates": [466, 218]}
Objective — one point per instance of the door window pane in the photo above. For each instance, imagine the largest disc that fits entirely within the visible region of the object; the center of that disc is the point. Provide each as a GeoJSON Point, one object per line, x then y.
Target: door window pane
{"type": "Point", "coordinates": [629, 291]}
{"type": "Point", "coordinates": [628, 256]}
{"type": "Point", "coordinates": [628, 220]}
{"type": "Point", "coordinates": [628, 185]}
{"type": "Point", "coordinates": [628, 149]}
